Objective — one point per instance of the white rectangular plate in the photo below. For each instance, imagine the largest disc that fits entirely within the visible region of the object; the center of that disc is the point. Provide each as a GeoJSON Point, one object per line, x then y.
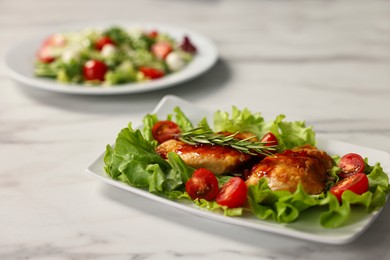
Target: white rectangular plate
{"type": "Point", "coordinates": [307, 227]}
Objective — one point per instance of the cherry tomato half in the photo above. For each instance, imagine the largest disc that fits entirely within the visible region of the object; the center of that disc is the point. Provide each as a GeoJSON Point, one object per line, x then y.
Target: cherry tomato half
{"type": "Point", "coordinates": [44, 55]}
{"type": "Point", "coordinates": [269, 139]}
{"type": "Point", "coordinates": [161, 49]}
{"type": "Point", "coordinates": [165, 130]}
{"type": "Point", "coordinates": [152, 34]}
{"type": "Point", "coordinates": [357, 183]}
{"type": "Point", "coordinates": [350, 164]}
{"type": "Point", "coordinates": [94, 70]}
{"type": "Point", "coordinates": [55, 40]}
{"type": "Point", "coordinates": [233, 193]}
{"type": "Point", "coordinates": [152, 72]}
{"type": "Point", "coordinates": [202, 185]}
{"type": "Point", "coordinates": [103, 41]}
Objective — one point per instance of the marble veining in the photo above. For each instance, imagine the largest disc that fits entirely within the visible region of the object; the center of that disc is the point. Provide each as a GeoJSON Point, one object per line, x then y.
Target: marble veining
{"type": "Point", "coordinates": [325, 62]}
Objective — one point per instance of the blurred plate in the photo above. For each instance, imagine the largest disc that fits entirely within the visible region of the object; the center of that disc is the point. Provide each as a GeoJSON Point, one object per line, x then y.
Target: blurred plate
{"type": "Point", "coordinates": [19, 61]}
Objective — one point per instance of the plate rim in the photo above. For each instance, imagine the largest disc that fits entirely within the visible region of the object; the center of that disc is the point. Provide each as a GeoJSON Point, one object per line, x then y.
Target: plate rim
{"type": "Point", "coordinates": [275, 228]}
{"type": "Point", "coordinates": [208, 58]}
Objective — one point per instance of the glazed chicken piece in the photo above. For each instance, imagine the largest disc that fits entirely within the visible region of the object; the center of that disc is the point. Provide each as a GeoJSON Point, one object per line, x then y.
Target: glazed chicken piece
{"type": "Point", "coordinates": [284, 171]}
{"type": "Point", "coordinates": [218, 159]}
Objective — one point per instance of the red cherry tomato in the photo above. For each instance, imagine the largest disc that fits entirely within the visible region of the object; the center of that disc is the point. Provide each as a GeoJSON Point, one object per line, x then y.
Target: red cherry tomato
{"type": "Point", "coordinates": [233, 193]}
{"type": "Point", "coordinates": [44, 55]}
{"type": "Point", "coordinates": [94, 70]}
{"type": "Point", "coordinates": [269, 139]}
{"type": "Point", "coordinates": [152, 72]}
{"type": "Point", "coordinates": [350, 164]}
{"type": "Point", "coordinates": [357, 183]}
{"type": "Point", "coordinates": [152, 34]}
{"type": "Point", "coordinates": [165, 130]}
{"type": "Point", "coordinates": [161, 49]}
{"type": "Point", "coordinates": [103, 41]}
{"type": "Point", "coordinates": [55, 40]}
{"type": "Point", "coordinates": [202, 185]}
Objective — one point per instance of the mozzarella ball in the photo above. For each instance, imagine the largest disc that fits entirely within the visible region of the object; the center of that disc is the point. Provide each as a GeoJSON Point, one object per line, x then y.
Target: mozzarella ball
{"type": "Point", "coordinates": [174, 61]}
{"type": "Point", "coordinates": [69, 55]}
{"type": "Point", "coordinates": [108, 50]}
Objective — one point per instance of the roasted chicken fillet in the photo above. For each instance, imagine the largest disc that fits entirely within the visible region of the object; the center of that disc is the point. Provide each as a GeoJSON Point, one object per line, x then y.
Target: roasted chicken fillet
{"type": "Point", "coordinates": [284, 171]}
{"type": "Point", "coordinates": [218, 159]}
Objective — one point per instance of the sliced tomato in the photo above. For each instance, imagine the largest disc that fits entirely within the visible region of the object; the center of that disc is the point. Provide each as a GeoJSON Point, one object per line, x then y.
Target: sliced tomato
{"type": "Point", "coordinates": [152, 34]}
{"type": "Point", "coordinates": [94, 70]}
{"type": "Point", "coordinates": [357, 183]}
{"type": "Point", "coordinates": [269, 139]}
{"type": "Point", "coordinates": [55, 40]}
{"type": "Point", "coordinates": [161, 49]}
{"type": "Point", "coordinates": [44, 54]}
{"type": "Point", "coordinates": [165, 130]}
{"type": "Point", "coordinates": [152, 73]}
{"type": "Point", "coordinates": [102, 42]}
{"type": "Point", "coordinates": [233, 193]}
{"type": "Point", "coordinates": [202, 185]}
{"type": "Point", "coordinates": [350, 164]}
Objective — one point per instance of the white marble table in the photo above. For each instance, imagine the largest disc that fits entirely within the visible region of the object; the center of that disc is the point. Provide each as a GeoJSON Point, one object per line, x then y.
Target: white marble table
{"type": "Point", "coordinates": [326, 62]}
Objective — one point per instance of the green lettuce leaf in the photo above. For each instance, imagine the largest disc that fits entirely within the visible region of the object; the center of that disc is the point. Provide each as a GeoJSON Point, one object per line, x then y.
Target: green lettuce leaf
{"type": "Point", "coordinates": [239, 120]}
{"type": "Point", "coordinates": [182, 120]}
{"type": "Point", "coordinates": [204, 124]}
{"type": "Point", "coordinates": [378, 186]}
{"type": "Point", "coordinates": [134, 161]}
{"type": "Point", "coordinates": [289, 134]}
{"type": "Point", "coordinates": [285, 207]}
{"type": "Point", "coordinates": [281, 206]}
{"type": "Point", "coordinates": [149, 121]}
{"type": "Point", "coordinates": [336, 215]}
{"type": "Point", "coordinates": [214, 206]}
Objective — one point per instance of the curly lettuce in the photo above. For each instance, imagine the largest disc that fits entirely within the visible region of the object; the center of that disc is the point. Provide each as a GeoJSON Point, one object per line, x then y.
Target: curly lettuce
{"type": "Point", "coordinates": [133, 160]}
{"type": "Point", "coordinates": [289, 134]}
{"type": "Point", "coordinates": [285, 207]}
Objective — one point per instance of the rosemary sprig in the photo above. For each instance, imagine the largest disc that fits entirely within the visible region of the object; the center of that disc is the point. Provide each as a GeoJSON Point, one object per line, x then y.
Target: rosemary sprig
{"type": "Point", "coordinates": [201, 135]}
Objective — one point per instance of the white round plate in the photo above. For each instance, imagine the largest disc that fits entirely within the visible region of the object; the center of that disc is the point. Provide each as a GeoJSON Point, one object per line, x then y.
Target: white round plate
{"type": "Point", "coordinates": [19, 61]}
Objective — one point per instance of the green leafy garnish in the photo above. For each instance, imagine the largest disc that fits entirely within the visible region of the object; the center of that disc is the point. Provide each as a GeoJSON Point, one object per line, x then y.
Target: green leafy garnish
{"type": "Point", "coordinates": [133, 160]}
{"type": "Point", "coordinates": [285, 207]}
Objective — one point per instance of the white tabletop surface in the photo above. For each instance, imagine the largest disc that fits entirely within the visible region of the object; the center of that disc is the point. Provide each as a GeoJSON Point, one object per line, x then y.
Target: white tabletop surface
{"type": "Point", "coordinates": [326, 62]}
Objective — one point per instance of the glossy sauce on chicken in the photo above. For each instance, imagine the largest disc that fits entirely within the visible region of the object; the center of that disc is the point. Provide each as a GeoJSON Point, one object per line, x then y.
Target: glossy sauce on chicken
{"type": "Point", "coordinates": [218, 159]}
{"type": "Point", "coordinates": [284, 171]}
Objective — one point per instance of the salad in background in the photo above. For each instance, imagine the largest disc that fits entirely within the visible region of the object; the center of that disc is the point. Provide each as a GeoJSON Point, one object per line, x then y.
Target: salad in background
{"type": "Point", "coordinates": [112, 56]}
{"type": "Point", "coordinates": [353, 181]}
